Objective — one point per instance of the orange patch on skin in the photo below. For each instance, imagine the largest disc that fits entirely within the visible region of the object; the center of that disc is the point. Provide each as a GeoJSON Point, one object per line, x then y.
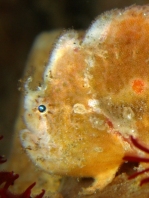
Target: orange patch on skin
{"type": "Point", "coordinates": [138, 86]}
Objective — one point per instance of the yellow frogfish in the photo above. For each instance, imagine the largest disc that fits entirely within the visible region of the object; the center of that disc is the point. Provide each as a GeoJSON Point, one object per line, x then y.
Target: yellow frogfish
{"type": "Point", "coordinates": [94, 96]}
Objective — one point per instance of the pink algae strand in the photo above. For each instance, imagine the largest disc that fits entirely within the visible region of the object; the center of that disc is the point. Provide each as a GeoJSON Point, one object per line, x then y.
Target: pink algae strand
{"type": "Point", "coordinates": [8, 178]}
{"type": "Point", "coordinates": [133, 158]}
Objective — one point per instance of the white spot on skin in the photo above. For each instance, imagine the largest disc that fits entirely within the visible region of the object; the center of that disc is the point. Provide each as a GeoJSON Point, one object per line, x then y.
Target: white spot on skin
{"type": "Point", "coordinates": [128, 113]}
{"type": "Point", "coordinates": [132, 130]}
{"type": "Point", "coordinates": [98, 149]}
{"type": "Point", "coordinates": [87, 78]}
{"type": "Point", "coordinates": [27, 83]}
{"type": "Point", "coordinates": [94, 104]}
{"type": "Point", "coordinates": [97, 123]}
{"type": "Point", "coordinates": [79, 109]}
{"type": "Point", "coordinates": [90, 61]}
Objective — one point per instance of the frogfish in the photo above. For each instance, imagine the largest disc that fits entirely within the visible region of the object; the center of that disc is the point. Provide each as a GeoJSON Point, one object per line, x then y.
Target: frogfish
{"type": "Point", "coordinates": [93, 97]}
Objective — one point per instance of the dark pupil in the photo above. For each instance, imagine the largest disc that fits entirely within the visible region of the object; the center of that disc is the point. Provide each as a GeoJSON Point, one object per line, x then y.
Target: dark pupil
{"type": "Point", "coordinates": [41, 108]}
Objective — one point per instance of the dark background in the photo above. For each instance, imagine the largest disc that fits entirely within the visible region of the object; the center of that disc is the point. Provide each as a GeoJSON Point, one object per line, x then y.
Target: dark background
{"type": "Point", "coordinates": [20, 22]}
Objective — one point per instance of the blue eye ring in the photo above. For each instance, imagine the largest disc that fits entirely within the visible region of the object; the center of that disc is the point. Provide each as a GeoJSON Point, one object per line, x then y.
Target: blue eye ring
{"type": "Point", "coordinates": [41, 108]}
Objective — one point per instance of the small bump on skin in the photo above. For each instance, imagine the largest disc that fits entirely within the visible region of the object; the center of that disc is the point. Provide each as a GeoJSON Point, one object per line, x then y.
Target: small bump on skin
{"type": "Point", "coordinates": [79, 108]}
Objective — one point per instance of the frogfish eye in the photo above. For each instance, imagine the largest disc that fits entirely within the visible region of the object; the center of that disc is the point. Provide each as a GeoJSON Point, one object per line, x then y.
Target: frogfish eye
{"type": "Point", "coordinates": [41, 108]}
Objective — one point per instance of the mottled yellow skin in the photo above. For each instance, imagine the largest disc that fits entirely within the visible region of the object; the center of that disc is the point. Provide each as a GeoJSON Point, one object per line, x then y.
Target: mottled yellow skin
{"type": "Point", "coordinates": [92, 103]}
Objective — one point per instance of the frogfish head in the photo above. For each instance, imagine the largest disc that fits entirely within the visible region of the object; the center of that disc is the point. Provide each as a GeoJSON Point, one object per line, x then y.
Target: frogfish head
{"type": "Point", "coordinates": [36, 110]}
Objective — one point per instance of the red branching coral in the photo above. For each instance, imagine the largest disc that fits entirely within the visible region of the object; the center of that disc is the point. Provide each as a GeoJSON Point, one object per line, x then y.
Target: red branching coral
{"type": "Point", "coordinates": [132, 158]}
{"type": "Point", "coordinates": [8, 178]}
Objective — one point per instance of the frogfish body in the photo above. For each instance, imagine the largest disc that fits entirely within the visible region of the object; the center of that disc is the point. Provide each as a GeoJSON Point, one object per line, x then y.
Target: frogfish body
{"type": "Point", "coordinates": [94, 96]}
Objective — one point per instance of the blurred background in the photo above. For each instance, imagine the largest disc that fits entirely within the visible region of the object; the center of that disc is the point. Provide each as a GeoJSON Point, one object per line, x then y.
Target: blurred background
{"type": "Point", "coordinates": [20, 22]}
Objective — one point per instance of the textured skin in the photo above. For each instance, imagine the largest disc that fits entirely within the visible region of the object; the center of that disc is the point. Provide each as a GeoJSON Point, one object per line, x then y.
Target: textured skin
{"type": "Point", "coordinates": [95, 90]}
